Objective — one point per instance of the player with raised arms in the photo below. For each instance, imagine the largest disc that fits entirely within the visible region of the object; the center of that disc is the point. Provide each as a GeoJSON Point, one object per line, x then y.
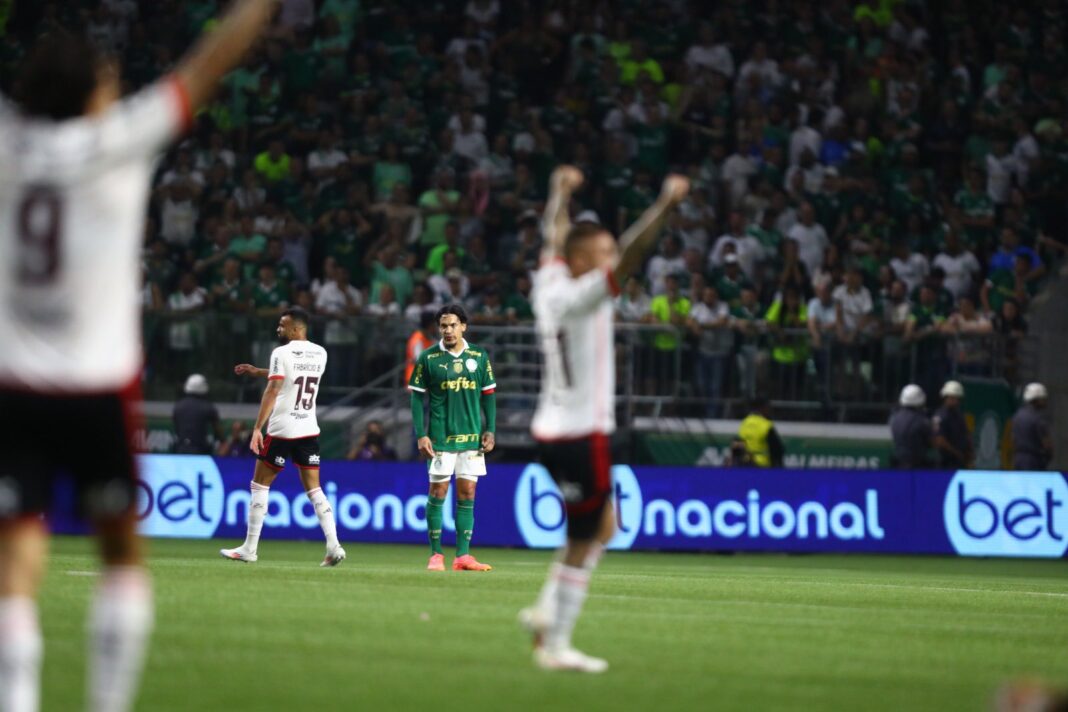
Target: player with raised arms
{"type": "Point", "coordinates": [76, 164]}
{"type": "Point", "coordinates": [581, 270]}
{"type": "Point", "coordinates": [288, 409]}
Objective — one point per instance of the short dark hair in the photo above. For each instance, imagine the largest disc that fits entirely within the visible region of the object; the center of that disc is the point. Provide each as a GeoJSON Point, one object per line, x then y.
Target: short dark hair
{"type": "Point", "coordinates": [579, 232]}
{"type": "Point", "coordinates": [57, 77]}
{"type": "Point", "coordinates": [298, 315]}
{"type": "Point", "coordinates": [455, 309]}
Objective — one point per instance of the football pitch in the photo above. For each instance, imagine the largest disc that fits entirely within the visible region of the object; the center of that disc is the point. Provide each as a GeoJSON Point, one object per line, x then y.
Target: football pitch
{"type": "Point", "coordinates": [681, 631]}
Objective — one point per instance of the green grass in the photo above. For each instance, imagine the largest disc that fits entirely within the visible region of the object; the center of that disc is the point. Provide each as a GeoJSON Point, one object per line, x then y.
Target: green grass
{"type": "Point", "coordinates": [682, 632]}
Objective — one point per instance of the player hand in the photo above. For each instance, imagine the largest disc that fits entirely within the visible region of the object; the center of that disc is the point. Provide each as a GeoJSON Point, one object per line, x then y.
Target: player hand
{"type": "Point", "coordinates": [675, 189]}
{"type": "Point", "coordinates": [257, 441]}
{"type": "Point", "coordinates": [242, 368]}
{"type": "Point", "coordinates": [488, 441]}
{"type": "Point", "coordinates": [566, 178]}
{"type": "Point", "coordinates": [426, 448]}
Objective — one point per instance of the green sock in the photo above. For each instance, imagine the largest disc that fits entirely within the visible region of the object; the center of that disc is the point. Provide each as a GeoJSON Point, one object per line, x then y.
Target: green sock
{"type": "Point", "coordinates": [435, 515]}
{"type": "Point", "coordinates": [465, 522]}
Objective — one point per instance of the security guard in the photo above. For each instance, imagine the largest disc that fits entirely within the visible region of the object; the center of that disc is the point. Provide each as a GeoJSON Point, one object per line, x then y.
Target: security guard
{"type": "Point", "coordinates": [762, 441]}
{"type": "Point", "coordinates": [1032, 444]}
{"type": "Point", "coordinates": [951, 436]}
{"type": "Point", "coordinates": [911, 430]}
{"type": "Point", "coordinates": [196, 420]}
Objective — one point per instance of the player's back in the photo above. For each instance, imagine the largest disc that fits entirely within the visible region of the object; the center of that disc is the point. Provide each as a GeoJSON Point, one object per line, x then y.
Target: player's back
{"type": "Point", "coordinates": [73, 198]}
{"type": "Point", "coordinates": [575, 327]}
{"type": "Point", "coordinates": [300, 366]}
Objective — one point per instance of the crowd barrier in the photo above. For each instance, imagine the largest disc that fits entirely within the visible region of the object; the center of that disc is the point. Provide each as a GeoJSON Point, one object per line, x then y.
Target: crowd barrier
{"type": "Point", "coordinates": [967, 513]}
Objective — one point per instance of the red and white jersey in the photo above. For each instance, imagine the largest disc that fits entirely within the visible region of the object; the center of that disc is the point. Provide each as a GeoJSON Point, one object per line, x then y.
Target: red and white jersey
{"type": "Point", "coordinates": [73, 198]}
{"type": "Point", "coordinates": [300, 366]}
{"type": "Point", "coordinates": [574, 322]}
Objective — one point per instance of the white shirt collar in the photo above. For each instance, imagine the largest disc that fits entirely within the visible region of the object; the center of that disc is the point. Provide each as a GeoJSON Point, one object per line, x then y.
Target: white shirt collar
{"type": "Point", "coordinates": [463, 347]}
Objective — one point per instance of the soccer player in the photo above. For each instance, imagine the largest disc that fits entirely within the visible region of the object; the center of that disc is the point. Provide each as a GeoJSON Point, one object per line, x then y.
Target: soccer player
{"type": "Point", "coordinates": [75, 168]}
{"type": "Point", "coordinates": [580, 271]}
{"type": "Point", "coordinates": [458, 378]}
{"type": "Point", "coordinates": [297, 368]}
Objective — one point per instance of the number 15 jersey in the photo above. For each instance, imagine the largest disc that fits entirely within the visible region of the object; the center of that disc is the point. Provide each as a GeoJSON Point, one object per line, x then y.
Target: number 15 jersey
{"type": "Point", "coordinates": [300, 366]}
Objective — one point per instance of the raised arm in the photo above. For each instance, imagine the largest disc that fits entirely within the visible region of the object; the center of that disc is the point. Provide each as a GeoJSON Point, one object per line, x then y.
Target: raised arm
{"type": "Point", "coordinates": [221, 49]}
{"type": "Point", "coordinates": [639, 239]}
{"type": "Point", "coordinates": [556, 222]}
{"type": "Point", "coordinates": [247, 369]}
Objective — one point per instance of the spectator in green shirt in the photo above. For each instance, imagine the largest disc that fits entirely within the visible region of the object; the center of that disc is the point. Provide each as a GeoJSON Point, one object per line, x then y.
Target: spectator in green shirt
{"type": "Point", "coordinates": [517, 306]}
{"type": "Point", "coordinates": [388, 269]}
{"type": "Point", "coordinates": [247, 243]}
{"type": "Point", "coordinates": [273, 164]}
{"type": "Point", "coordinates": [438, 205]}
{"type": "Point", "coordinates": [670, 309]}
{"type": "Point", "coordinates": [435, 259]}
{"type": "Point", "coordinates": [639, 62]}
{"type": "Point", "coordinates": [389, 171]}
{"type": "Point", "coordinates": [269, 296]}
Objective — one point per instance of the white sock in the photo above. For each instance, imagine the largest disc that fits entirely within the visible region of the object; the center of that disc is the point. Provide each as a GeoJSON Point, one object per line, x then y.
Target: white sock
{"type": "Point", "coordinates": [571, 588]}
{"type": "Point", "coordinates": [120, 622]}
{"type": "Point", "coordinates": [326, 516]}
{"type": "Point", "coordinates": [257, 510]}
{"type": "Point", "coordinates": [593, 556]}
{"type": "Point", "coordinates": [21, 649]}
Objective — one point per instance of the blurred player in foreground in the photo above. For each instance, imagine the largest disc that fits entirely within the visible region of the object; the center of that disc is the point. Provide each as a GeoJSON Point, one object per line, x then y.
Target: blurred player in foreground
{"type": "Point", "coordinates": [581, 270]}
{"type": "Point", "coordinates": [75, 168]}
{"type": "Point", "coordinates": [288, 410]}
{"type": "Point", "coordinates": [457, 377]}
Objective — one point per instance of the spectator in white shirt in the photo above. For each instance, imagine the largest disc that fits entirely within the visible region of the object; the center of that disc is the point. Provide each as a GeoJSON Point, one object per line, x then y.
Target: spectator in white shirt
{"type": "Point", "coordinates": [748, 248]}
{"type": "Point", "coordinates": [908, 266]}
{"type": "Point", "coordinates": [469, 142]}
{"type": "Point", "coordinates": [325, 161]}
{"type": "Point", "coordinates": [810, 236]}
{"type": "Point", "coordinates": [761, 65]}
{"type": "Point", "coordinates": [824, 315]}
{"type": "Point", "coordinates": [856, 305]}
{"type": "Point", "coordinates": [669, 261]}
{"type": "Point", "coordinates": [805, 137]}
{"type": "Point", "coordinates": [710, 322]}
{"type": "Point", "coordinates": [633, 304]}
{"type": "Point", "coordinates": [707, 54]}
{"type": "Point", "coordinates": [1001, 169]}
{"type": "Point", "coordinates": [960, 265]}
{"type": "Point", "coordinates": [387, 303]}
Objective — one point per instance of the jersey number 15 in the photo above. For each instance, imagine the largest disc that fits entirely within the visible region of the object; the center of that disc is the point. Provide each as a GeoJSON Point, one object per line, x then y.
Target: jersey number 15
{"type": "Point", "coordinates": [306, 386]}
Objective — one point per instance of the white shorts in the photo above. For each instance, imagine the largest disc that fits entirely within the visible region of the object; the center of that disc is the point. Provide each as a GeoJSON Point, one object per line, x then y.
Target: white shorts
{"type": "Point", "coordinates": [467, 465]}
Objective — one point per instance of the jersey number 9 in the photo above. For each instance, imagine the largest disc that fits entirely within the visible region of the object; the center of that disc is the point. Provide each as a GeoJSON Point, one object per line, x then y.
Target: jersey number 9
{"type": "Point", "coordinates": [40, 219]}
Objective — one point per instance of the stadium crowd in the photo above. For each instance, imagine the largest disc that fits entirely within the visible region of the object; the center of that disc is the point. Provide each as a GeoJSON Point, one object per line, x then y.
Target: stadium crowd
{"type": "Point", "coordinates": [861, 170]}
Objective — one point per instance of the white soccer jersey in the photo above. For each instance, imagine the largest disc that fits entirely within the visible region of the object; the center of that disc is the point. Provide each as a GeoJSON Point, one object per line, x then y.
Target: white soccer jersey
{"type": "Point", "coordinates": [73, 199]}
{"type": "Point", "coordinates": [300, 366]}
{"type": "Point", "coordinates": [578, 383]}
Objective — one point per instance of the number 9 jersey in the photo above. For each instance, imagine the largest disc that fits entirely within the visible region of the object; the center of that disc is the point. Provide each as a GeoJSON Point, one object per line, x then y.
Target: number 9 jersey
{"type": "Point", "coordinates": [73, 197]}
{"type": "Point", "coordinates": [300, 366]}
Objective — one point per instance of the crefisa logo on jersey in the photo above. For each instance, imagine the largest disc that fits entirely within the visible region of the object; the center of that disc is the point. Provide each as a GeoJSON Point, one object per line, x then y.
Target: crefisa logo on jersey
{"type": "Point", "coordinates": [1007, 513]}
{"type": "Point", "coordinates": [539, 508]}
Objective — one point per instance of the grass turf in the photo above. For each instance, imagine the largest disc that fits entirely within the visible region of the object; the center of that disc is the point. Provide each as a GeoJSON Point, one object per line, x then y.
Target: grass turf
{"type": "Point", "coordinates": [681, 631]}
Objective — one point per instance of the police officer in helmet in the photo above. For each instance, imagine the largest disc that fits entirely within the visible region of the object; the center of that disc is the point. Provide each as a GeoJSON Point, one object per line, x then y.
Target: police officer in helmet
{"type": "Point", "coordinates": [1031, 440]}
{"type": "Point", "coordinates": [951, 437]}
{"type": "Point", "coordinates": [911, 430]}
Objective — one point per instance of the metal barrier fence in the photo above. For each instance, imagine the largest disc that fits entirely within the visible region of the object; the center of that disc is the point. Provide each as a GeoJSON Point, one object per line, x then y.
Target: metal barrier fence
{"type": "Point", "coordinates": [661, 370]}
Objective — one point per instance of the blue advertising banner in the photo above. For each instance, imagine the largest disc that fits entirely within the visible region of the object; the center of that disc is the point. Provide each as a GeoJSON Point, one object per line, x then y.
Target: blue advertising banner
{"type": "Point", "coordinates": [969, 513]}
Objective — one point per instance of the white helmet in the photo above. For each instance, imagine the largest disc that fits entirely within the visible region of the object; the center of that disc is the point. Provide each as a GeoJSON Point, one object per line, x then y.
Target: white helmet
{"type": "Point", "coordinates": [1035, 391]}
{"type": "Point", "coordinates": [912, 396]}
{"type": "Point", "coordinates": [196, 385]}
{"type": "Point", "coordinates": [953, 388]}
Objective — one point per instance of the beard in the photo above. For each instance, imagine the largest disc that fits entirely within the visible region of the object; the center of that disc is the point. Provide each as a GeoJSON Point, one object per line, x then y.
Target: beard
{"type": "Point", "coordinates": [283, 339]}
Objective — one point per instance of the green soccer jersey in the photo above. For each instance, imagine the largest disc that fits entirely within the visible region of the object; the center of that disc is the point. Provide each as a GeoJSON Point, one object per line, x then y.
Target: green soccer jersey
{"type": "Point", "coordinates": [456, 384]}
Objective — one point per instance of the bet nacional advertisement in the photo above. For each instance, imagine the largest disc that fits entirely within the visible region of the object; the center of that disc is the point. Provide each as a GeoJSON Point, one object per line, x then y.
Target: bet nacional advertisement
{"type": "Point", "coordinates": [966, 513]}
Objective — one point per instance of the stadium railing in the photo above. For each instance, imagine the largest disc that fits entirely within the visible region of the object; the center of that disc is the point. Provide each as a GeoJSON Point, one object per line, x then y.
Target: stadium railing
{"type": "Point", "coordinates": [662, 370]}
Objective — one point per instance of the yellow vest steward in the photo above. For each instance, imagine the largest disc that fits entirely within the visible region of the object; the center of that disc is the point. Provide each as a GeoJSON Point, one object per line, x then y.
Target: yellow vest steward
{"type": "Point", "coordinates": [754, 431]}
